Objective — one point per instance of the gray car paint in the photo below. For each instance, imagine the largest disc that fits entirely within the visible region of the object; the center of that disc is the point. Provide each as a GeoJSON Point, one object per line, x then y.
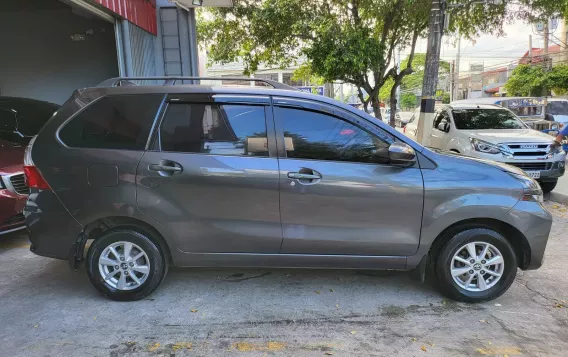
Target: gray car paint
{"type": "Point", "coordinates": [455, 189]}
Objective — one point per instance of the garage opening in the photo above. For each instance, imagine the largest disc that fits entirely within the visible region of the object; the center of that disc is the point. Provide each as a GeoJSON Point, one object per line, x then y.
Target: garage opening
{"type": "Point", "coordinates": [50, 48]}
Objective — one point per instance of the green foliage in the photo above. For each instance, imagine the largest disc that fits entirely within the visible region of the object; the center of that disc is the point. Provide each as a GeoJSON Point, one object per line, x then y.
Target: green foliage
{"type": "Point", "coordinates": [305, 73]}
{"type": "Point", "coordinates": [446, 98]}
{"type": "Point", "coordinates": [558, 79]}
{"type": "Point", "coordinates": [413, 81]}
{"type": "Point", "coordinates": [408, 101]}
{"type": "Point", "coordinates": [527, 80]}
{"type": "Point", "coordinates": [351, 41]}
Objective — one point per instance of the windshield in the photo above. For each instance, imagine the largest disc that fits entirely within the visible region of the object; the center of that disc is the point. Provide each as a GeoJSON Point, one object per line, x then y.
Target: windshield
{"type": "Point", "coordinates": [558, 108]}
{"type": "Point", "coordinates": [479, 119]}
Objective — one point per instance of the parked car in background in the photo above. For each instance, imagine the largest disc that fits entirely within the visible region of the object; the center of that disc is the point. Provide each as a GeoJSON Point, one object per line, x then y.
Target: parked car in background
{"type": "Point", "coordinates": [494, 133]}
{"type": "Point", "coordinates": [213, 176]}
{"type": "Point", "coordinates": [20, 120]}
{"type": "Point", "coordinates": [529, 109]}
{"type": "Point", "coordinates": [558, 107]}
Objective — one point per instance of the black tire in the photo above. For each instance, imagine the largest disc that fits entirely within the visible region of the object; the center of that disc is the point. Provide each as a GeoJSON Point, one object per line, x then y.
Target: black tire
{"type": "Point", "coordinates": [443, 262]}
{"type": "Point", "coordinates": [548, 186]}
{"type": "Point", "coordinates": [156, 258]}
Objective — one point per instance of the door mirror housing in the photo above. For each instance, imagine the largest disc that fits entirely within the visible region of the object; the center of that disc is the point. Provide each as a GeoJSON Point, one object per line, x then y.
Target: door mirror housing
{"type": "Point", "coordinates": [401, 154]}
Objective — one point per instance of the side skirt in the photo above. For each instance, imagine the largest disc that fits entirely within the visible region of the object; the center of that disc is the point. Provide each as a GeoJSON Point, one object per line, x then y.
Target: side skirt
{"type": "Point", "coordinates": [242, 260]}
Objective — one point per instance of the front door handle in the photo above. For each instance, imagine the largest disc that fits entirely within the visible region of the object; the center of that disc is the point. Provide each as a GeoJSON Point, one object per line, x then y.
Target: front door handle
{"type": "Point", "coordinates": [166, 168]}
{"type": "Point", "coordinates": [300, 176]}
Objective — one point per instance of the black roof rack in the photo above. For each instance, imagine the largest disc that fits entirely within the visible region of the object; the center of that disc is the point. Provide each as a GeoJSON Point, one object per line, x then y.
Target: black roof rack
{"type": "Point", "coordinates": [170, 81]}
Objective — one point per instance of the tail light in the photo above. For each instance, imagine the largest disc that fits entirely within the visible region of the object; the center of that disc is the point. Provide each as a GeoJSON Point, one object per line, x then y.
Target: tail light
{"type": "Point", "coordinates": [34, 179]}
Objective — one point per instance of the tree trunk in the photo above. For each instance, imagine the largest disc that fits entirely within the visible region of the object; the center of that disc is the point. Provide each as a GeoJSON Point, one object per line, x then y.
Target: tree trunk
{"type": "Point", "coordinates": [393, 104]}
{"type": "Point", "coordinates": [376, 106]}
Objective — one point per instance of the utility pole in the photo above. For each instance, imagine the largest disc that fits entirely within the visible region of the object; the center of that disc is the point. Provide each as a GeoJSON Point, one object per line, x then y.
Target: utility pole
{"type": "Point", "coordinates": [530, 49]}
{"type": "Point", "coordinates": [457, 70]}
{"type": "Point", "coordinates": [397, 60]}
{"type": "Point", "coordinates": [428, 101]}
{"type": "Point", "coordinates": [564, 41]}
{"type": "Point", "coordinates": [545, 53]}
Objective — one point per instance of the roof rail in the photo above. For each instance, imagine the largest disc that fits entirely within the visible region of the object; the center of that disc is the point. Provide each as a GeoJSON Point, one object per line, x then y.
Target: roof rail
{"type": "Point", "coordinates": [170, 81]}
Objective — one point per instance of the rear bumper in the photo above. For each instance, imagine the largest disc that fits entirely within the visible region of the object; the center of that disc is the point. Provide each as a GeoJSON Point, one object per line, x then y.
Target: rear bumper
{"type": "Point", "coordinates": [534, 221]}
{"type": "Point", "coordinates": [52, 230]}
{"type": "Point", "coordinates": [11, 206]}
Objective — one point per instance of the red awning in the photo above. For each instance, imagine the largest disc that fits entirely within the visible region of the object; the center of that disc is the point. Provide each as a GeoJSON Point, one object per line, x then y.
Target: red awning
{"type": "Point", "coordinates": [492, 90]}
{"type": "Point", "coordinates": [140, 12]}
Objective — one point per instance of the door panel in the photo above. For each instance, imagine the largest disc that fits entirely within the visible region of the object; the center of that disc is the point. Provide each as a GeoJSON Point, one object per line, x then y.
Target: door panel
{"type": "Point", "coordinates": [360, 209]}
{"type": "Point", "coordinates": [338, 195]}
{"type": "Point", "coordinates": [213, 185]}
{"type": "Point", "coordinates": [438, 137]}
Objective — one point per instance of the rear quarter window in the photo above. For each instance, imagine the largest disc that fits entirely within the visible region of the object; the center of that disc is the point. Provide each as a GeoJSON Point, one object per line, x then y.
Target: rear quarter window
{"type": "Point", "coordinates": [113, 122]}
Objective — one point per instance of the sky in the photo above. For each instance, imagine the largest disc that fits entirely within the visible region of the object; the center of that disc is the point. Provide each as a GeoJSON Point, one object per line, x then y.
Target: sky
{"type": "Point", "coordinates": [492, 51]}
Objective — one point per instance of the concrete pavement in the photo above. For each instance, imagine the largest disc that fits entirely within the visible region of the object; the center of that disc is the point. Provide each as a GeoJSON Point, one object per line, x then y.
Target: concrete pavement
{"type": "Point", "coordinates": [47, 310]}
{"type": "Point", "coordinates": [560, 193]}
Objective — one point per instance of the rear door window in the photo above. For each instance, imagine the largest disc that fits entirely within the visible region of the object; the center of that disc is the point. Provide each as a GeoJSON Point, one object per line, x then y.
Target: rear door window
{"type": "Point", "coordinates": [215, 129]}
{"type": "Point", "coordinates": [114, 122]}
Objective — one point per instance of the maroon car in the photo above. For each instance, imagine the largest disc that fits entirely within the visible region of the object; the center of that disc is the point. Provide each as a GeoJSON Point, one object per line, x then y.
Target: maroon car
{"type": "Point", "coordinates": [20, 120]}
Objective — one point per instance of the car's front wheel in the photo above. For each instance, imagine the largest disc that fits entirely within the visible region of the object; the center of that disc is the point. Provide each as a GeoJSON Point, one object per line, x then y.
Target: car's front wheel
{"type": "Point", "coordinates": [125, 265]}
{"type": "Point", "coordinates": [475, 265]}
{"type": "Point", "coordinates": [548, 186]}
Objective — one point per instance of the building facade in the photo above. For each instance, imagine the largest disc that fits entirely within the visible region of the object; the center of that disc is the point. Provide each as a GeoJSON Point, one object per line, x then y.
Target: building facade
{"type": "Point", "coordinates": [52, 47]}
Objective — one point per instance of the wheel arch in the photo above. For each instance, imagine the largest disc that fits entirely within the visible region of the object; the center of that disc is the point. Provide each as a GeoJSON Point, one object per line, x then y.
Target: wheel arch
{"type": "Point", "coordinates": [513, 235]}
{"type": "Point", "coordinates": [98, 227]}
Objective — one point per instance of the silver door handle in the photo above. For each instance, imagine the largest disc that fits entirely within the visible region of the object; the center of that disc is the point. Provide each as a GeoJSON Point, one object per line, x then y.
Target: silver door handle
{"type": "Point", "coordinates": [299, 176]}
{"type": "Point", "coordinates": [164, 168]}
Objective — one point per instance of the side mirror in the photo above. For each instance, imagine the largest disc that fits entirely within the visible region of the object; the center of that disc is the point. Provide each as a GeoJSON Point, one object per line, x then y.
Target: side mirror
{"type": "Point", "coordinates": [444, 126]}
{"type": "Point", "coordinates": [401, 154]}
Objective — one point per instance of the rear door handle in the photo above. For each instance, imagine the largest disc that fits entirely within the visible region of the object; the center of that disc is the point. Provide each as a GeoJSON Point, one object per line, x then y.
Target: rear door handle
{"type": "Point", "coordinates": [157, 167]}
{"type": "Point", "coordinates": [299, 176]}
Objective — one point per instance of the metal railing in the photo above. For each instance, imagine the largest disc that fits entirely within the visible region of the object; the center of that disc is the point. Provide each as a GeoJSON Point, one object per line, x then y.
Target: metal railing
{"type": "Point", "coordinates": [170, 81]}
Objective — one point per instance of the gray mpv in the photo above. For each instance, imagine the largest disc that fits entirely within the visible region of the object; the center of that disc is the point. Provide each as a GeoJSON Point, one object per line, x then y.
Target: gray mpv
{"type": "Point", "coordinates": [203, 176]}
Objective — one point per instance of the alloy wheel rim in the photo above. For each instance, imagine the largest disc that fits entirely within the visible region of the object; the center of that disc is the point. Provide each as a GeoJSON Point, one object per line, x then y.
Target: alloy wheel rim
{"type": "Point", "coordinates": [124, 265]}
{"type": "Point", "coordinates": [477, 266]}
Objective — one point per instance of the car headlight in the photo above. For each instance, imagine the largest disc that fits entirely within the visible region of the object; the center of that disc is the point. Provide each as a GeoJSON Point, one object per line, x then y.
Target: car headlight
{"type": "Point", "coordinates": [484, 146]}
{"type": "Point", "coordinates": [531, 189]}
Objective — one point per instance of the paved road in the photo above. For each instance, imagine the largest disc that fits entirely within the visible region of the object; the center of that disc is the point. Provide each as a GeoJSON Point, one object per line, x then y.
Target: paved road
{"type": "Point", "coordinates": [46, 310]}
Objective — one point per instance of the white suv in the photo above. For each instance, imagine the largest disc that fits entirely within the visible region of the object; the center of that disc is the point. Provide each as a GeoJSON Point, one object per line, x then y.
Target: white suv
{"type": "Point", "coordinates": [495, 133]}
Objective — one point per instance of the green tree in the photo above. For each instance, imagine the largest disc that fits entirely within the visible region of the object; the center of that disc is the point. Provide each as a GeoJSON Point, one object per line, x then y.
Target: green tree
{"type": "Point", "coordinates": [408, 100]}
{"type": "Point", "coordinates": [558, 79]}
{"type": "Point", "coordinates": [527, 80]}
{"type": "Point", "coordinates": [351, 41]}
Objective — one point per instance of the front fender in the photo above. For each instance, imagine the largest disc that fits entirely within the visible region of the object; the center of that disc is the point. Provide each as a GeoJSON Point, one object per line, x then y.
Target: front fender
{"type": "Point", "coordinates": [459, 190]}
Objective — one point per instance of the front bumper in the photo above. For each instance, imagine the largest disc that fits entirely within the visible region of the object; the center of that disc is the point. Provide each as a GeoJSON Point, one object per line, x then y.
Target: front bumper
{"type": "Point", "coordinates": [534, 221]}
{"type": "Point", "coordinates": [550, 169]}
{"type": "Point", "coordinates": [11, 206]}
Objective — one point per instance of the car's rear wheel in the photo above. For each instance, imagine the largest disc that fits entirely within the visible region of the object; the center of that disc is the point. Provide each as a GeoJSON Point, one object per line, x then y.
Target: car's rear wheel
{"type": "Point", "coordinates": [475, 265]}
{"type": "Point", "coordinates": [548, 186]}
{"type": "Point", "coordinates": [125, 265]}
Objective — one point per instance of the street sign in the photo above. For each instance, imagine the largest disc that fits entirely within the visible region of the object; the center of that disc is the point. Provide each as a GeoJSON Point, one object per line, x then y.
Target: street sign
{"type": "Point", "coordinates": [312, 89]}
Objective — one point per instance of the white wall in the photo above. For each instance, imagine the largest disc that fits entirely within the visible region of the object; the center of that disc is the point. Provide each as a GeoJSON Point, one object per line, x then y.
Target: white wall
{"type": "Point", "coordinates": [38, 59]}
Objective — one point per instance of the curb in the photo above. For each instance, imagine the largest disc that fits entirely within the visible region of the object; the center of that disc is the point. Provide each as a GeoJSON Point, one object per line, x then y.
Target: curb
{"type": "Point", "coordinates": [557, 197]}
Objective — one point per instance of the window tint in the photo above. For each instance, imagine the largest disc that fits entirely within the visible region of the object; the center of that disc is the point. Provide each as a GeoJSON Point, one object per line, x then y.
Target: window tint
{"type": "Point", "coordinates": [114, 122]}
{"type": "Point", "coordinates": [317, 136]}
{"type": "Point", "coordinates": [557, 107]}
{"type": "Point", "coordinates": [476, 119]}
{"type": "Point", "coordinates": [214, 129]}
